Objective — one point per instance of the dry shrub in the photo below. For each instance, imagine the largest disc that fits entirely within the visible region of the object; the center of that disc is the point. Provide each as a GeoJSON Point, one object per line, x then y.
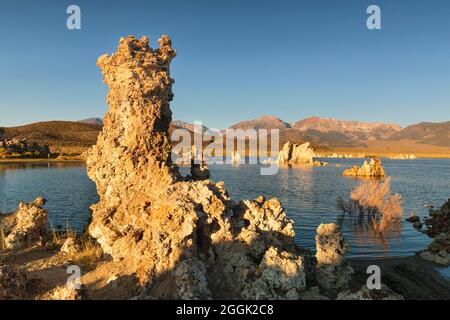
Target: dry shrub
{"type": "Point", "coordinates": [2, 238]}
{"type": "Point", "coordinates": [373, 201]}
{"type": "Point", "coordinates": [89, 254]}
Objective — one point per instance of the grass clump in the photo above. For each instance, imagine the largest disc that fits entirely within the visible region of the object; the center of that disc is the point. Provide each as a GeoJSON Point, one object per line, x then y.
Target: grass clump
{"type": "Point", "coordinates": [2, 238]}
{"type": "Point", "coordinates": [84, 250]}
{"type": "Point", "coordinates": [373, 202]}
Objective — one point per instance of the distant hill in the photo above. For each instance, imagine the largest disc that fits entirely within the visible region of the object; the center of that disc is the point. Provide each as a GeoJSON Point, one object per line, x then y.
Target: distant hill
{"type": "Point", "coordinates": [353, 130]}
{"type": "Point", "coordinates": [67, 136]}
{"type": "Point", "coordinates": [437, 134]}
{"type": "Point", "coordinates": [324, 131]}
{"type": "Point", "coordinates": [178, 124]}
{"type": "Point", "coordinates": [264, 122]}
{"type": "Point", "coordinates": [97, 121]}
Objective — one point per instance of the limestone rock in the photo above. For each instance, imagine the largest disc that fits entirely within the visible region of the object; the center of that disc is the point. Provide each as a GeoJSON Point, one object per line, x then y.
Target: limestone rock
{"type": "Point", "coordinates": [235, 158]}
{"type": "Point", "coordinates": [200, 171]}
{"type": "Point", "coordinates": [70, 246]}
{"type": "Point", "coordinates": [280, 276]}
{"type": "Point", "coordinates": [384, 293]}
{"type": "Point", "coordinates": [182, 236]}
{"type": "Point", "coordinates": [372, 168]}
{"type": "Point", "coordinates": [332, 272]}
{"type": "Point", "coordinates": [27, 226]}
{"type": "Point", "coordinates": [413, 218]}
{"type": "Point", "coordinates": [438, 251]}
{"type": "Point", "coordinates": [65, 292]}
{"type": "Point", "coordinates": [296, 154]}
{"type": "Point", "coordinates": [12, 283]}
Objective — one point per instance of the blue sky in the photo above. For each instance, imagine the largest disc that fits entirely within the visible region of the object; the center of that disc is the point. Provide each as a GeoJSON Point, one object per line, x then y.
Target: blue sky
{"type": "Point", "coordinates": [237, 59]}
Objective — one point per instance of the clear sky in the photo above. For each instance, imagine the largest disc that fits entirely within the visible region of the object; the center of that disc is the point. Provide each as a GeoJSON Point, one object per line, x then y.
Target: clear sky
{"type": "Point", "coordinates": [237, 59]}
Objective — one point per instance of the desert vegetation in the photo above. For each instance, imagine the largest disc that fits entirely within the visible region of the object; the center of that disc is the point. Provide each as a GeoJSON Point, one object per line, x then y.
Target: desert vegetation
{"type": "Point", "coordinates": [372, 202]}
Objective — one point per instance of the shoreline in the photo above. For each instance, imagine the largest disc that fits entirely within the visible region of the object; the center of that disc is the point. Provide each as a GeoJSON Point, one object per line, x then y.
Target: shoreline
{"type": "Point", "coordinates": [45, 160]}
{"type": "Point", "coordinates": [40, 160]}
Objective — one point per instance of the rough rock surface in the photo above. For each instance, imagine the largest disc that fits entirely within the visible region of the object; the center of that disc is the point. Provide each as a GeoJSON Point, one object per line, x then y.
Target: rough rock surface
{"type": "Point", "coordinates": [296, 154]}
{"type": "Point", "coordinates": [184, 237]}
{"type": "Point", "coordinates": [65, 292]}
{"type": "Point", "coordinates": [372, 168]}
{"type": "Point", "coordinates": [384, 293]}
{"type": "Point", "coordinates": [70, 246]}
{"type": "Point", "coordinates": [235, 158]}
{"type": "Point", "coordinates": [12, 283]}
{"type": "Point", "coordinates": [332, 272]}
{"type": "Point", "coordinates": [438, 223]}
{"type": "Point", "coordinates": [26, 227]}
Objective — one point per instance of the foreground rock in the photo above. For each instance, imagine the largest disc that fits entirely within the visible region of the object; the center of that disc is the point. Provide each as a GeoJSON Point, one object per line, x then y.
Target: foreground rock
{"type": "Point", "coordinates": [365, 293]}
{"type": "Point", "coordinates": [26, 227]}
{"type": "Point", "coordinates": [297, 155]}
{"type": "Point", "coordinates": [372, 168]}
{"type": "Point", "coordinates": [70, 247]}
{"type": "Point", "coordinates": [12, 283]}
{"type": "Point", "coordinates": [333, 274]}
{"type": "Point", "coordinates": [438, 251]}
{"type": "Point", "coordinates": [184, 237]}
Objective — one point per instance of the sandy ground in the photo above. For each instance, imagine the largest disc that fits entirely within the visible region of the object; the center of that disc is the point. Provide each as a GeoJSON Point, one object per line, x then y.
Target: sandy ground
{"type": "Point", "coordinates": [412, 277]}
{"type": "Point", "coordinates": [46, 270]}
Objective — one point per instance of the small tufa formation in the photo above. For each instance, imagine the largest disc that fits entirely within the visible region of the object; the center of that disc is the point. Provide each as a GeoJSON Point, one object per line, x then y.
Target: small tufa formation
{"type": "Point", "coordinates": [66, 292]}
{"type": "Point", "coordinates": [438, 224]}
{"type": "Point", "coordinates": [235, 158]}
{"type": "Point", "coordinates": [20, 147]}
{"type": "Point", "coordinates": [27, 226]}
{"type": "Point", "coordinates": [333, 274]}
{"type": "Point", "coordinates": [12, 283]}
{"type": "Point", "coordinates": [70, 246]}
{"type": "Point", "coordinates": [199, 169]}
{"type": "Point", "coordinates": [297, 155]}
{"type": "Point", "coordinates": [384, 293]}
{"type": "Point", "coordinates": [182, 236]}
{"type": "Point", "coordinates": [279, 276]}
{"type": "Point", "coordinates": [368, 169]}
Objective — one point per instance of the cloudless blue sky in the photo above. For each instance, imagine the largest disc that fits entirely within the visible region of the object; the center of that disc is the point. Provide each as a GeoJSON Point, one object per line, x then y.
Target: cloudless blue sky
{"type": "Point", "coordinates": [236, 60]}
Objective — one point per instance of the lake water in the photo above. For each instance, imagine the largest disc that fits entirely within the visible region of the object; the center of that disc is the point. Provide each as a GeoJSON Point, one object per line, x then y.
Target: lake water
{"type": "Point", "coordinates": [308, 195]}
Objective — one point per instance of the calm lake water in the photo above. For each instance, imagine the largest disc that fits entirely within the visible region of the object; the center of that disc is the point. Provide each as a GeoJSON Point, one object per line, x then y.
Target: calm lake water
{"type": "Point", "coordinates": [309, 196]}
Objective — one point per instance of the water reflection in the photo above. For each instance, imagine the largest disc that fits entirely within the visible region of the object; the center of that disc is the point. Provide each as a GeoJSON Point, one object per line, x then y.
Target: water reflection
{"type": "Point", "coordinates": [367, 234]}
{"type": "Point", "coordinates": [308, 196]}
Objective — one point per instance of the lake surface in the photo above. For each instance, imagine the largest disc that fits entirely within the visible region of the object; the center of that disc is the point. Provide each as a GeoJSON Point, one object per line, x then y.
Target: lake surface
{"type": "Point", "coordinates": [308, 195]}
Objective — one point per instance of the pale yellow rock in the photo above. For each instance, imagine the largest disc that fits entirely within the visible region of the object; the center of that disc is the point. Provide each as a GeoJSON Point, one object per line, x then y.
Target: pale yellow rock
{"type": "Point", "coordinates": [27, 226]}
{"type": "Point", "coordinates": [372, 168]}
{"type": "Point", "coordinates": [182, 236]}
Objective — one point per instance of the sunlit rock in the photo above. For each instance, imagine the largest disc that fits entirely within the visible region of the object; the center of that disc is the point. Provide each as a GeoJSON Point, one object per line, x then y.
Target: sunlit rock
{"type": "Point", "coordinates": [27, 226]}
{"type": "Point", "coordinates": [294, 154]}
{"type": "Point", "coordinates": [183, 236]}
{"type": "Point", "coordinates": [365, 293]}
{"type": "Point", "coordinates": [332, 272]}
{"type": "Point", "coordinates": [372, 168]}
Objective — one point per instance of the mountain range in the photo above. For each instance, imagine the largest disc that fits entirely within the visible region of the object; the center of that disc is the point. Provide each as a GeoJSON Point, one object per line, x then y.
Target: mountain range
{"type": "Point", "coordinates": [323, 133]}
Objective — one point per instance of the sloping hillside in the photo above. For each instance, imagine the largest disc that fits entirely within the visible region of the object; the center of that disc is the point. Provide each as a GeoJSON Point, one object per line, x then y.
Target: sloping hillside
{"type": "Point", "coordinates": [354, 130]}
{"type": "Point", "coordinates": [264, 122]}
{"type": "Point", "coordinates": [57, 134]}
{"type": "Point", "coordinates": [437, 134]}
